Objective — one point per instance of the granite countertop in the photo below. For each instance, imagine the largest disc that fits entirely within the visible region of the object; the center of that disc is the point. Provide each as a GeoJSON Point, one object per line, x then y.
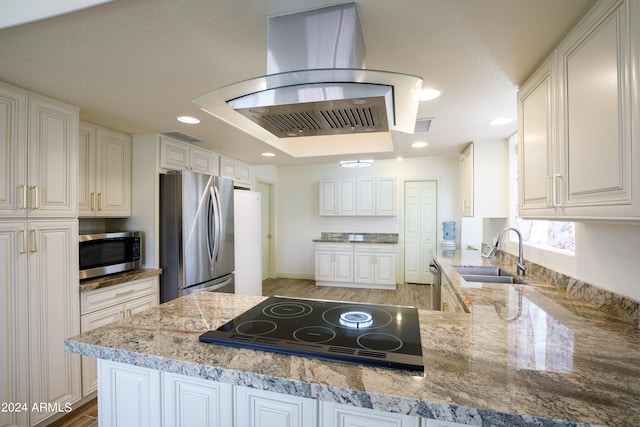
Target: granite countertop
{"type": "Point", "coordinates": [118, 278]}
{"type": "Point", "coordinates": [333, 237]}
{"type": "Point", "coordinates": [544, 357]}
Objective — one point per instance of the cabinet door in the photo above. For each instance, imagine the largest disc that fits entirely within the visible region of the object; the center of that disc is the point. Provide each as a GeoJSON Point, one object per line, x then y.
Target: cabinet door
{"type": "Point", "coordinates": [328, 190]}
{"type": "Point", "coordinates": [129, 395]}
{"type": "Point", "coordinates": [385, 269]}
{"type": "Point", "coordinates": [386, 196]}
{"type": "Point", "coordinates": [324, 266]}
{"type": "Point", "coordinates": [113, 182]}
{"type": "Point", "coordinates": [13, 322]}
{"type": "Point", "coordinates": [193, 402]}
{"type": "Point", "coordinates": [363, 263]}
{"type": "Point", "coordinates": [54, 313]}
{"type": "Point", "coordinates": [343, 266]}
{"type": "Point", "coordinates": [596, 118]}
{"type": "Point", "coordinates": [139, 305]}
{"type": "Point", "coordinates": [536, 142]}
{"type": "Point", "coordinates": [203, 161]}
{"type": "Point", "coordinates": [243, 173]}
{"type": "Point", "coordinates": [52, 158]}
{"type": "Point", "coordinates": [259, 408]}
{"type": "Point", "coordinates": [87, 170]}
{"type": "Point", "coordinates": [173, 155]}
{"type": "Point", "coordinates": [228, 167]}
{"type": "Point", "coordinates": [346, 196]}
{"type": "Point", "coordinates": [13, 162]}
{"type": "Point", "coordinates": [366, 196]}
{"type": "Point", "coordinates": [336, 415]}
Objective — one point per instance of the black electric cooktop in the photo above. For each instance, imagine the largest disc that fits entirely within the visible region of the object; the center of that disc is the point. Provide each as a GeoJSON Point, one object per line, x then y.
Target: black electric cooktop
{"type": "Point", "coordinates": [370, 334]}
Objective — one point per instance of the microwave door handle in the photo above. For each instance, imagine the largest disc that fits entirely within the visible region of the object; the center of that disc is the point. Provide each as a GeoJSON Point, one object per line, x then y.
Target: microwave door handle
{"type": "Point", "coordinates": [218, 222]}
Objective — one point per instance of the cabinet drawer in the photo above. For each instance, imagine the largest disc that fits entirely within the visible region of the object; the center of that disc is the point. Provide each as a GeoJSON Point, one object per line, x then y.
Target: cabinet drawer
{"type": "Point", "coordinates": [374, 247]}
{"type": "Point", "coordinates": [325, 246]}
{"type": "Point", "coordinates": [117, 294]}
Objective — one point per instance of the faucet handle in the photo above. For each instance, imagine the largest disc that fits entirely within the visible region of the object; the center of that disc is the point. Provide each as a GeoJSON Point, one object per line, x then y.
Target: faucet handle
{"type": "Point", "coordinates": [521, 268]}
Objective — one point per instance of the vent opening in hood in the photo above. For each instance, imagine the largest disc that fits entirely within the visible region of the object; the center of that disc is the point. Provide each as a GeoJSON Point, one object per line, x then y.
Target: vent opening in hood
{"type": "Point", "coordinates": [315, 90]}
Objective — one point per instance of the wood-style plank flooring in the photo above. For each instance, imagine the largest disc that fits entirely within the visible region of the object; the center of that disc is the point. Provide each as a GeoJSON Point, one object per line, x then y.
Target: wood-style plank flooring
{"type": "Point", "coordinates": [418, 296]}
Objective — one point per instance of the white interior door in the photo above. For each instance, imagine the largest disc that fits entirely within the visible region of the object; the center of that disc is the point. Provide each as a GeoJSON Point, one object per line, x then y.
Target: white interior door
{"type": "Point", "coordinates": [420, 209]}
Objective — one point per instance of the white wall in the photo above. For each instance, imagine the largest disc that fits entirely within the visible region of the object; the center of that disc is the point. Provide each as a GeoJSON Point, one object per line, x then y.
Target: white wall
{"type": "Point", "coordinates": [297, 205]}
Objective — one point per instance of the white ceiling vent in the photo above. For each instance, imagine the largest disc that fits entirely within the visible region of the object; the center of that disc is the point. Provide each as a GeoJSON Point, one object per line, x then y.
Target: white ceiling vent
{"type": "Point", "coordinates": [182, 137]}
{"type": "Point", "coordinates": [423, 125]}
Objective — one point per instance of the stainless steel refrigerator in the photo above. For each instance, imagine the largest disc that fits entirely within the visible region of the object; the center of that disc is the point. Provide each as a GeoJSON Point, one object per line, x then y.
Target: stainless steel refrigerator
{"type": "Point", "coordinates": [196, 234]}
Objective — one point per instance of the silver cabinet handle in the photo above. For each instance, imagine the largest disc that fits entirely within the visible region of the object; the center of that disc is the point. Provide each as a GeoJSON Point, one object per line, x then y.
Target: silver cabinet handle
{"type": "Point", "coordinates": [93, 202]}
{"type": "Point", "coordinates": [99, 202]}
{"type": "Point", "coordinates": [554, 192]}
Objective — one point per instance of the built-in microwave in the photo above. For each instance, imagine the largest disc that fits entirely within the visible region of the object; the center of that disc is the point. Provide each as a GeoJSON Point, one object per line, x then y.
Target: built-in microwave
{"type": "Point", "coordinates": [108, 253]}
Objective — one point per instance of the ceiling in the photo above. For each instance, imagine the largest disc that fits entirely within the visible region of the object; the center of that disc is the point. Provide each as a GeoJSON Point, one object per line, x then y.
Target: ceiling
{"type": "Point", "coordinates": [135, 65]}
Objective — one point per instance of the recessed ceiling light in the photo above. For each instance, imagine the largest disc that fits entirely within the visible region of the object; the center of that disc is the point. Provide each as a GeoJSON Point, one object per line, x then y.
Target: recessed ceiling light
{"type": "Point", "coordinates": [189, 120]}
{"type": "Point", "coordinates": [268, 154]}
{"type": "Point", "coordinates": [399, 159]}
{"type": "Point", "coordinates": [429, 94]}
{"type": "Point", "coordinates": [500, 121]}
{"type": "Point", "coordinates": [356, 163]}
{"type": "Point", "coordinates": [419, 144]}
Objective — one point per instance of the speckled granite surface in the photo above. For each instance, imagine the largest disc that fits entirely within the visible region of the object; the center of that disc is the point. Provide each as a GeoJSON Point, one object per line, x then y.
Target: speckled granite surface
{"type": "Point", "coordinates": [116, 279]}
{"type": "Point", "coordinates": [524, 355]}
{"type": "Point", "coordinates": [336, 237]}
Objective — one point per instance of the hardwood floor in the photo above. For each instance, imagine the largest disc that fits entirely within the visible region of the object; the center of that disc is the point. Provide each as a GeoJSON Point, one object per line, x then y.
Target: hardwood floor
{"type": "Point", "coordinates": [84, 416]}
{"type": "Point", "coordinates": [418, 296]}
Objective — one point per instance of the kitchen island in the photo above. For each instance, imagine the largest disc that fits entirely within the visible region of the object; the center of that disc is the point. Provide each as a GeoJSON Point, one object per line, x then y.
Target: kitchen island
{"type": "Point", "coordinates": [523, 355]}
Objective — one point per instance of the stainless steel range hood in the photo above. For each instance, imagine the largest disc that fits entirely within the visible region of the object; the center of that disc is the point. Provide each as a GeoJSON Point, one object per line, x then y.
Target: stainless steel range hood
{"type": "Point", "coordinates": [317, 89]}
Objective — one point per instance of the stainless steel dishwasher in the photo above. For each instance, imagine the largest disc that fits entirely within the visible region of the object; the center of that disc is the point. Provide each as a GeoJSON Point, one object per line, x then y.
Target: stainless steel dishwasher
{"type": "Point", "coordinates": [436, 288]}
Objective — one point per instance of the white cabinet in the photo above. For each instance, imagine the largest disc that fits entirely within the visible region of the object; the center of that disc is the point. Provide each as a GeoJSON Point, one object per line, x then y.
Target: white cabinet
{"type": "Point", "coordinates": [376, 196]}
{"type": "Point", "coordinates": [194, 402]}
{"type": "Point", "coordinates": [594, 154]}
{"type": "Point", "coordinates": [334, 262]}
{"type": "Point", "coordinates": [375, 264]}
{"type": "Point", "coordinates": [237, 170]}
{"type": "Point", "coordinates": [337, 197]}
{"type": "Point", "coordinates": [39, 264]}
{"type": "Point", "coordinates": [449, 300]}
{"type": "Point", "coordinates": [104, 184]}
{"type": "Point", "coordinates": [259, 408]}
{"type": "Point", "coordinates": [536, 142]}
{"type": "Point", "coordinates": [466, 181]}
{"type": "Point", "coordinates": [39, 137]}
{"type": "Point", "coordinates": [129, 395]}
{"type": "Point", "coordinates": [336, 415]}
{"type": "Point", "coordinates": [177, 155]}
{"type": "Point", "coordinates": [106, 305]}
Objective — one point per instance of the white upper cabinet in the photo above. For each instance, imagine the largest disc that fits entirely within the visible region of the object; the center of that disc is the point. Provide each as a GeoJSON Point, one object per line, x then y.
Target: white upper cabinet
{"type": "Point", "coordinates": [376, 196]}
{"type": "Point", "coordinates": [104, 187]}
{"type": "Point", "coordinates": [40, 138]}
{"type": "Point", "coordinates": [338, 197]}
{"type": "Point", "coordinates": [366, 196]}
{"type": "Point", "coordinates": [591, 152]}
{"type": "Point", "coordinates": [177, 155]}
{"type": "Point", "coordinates": [536, 142]}
{"type": "Point", "coordinates": [238, 171]}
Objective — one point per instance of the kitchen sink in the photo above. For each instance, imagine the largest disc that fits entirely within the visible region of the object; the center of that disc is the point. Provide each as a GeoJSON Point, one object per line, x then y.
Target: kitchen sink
{"type": "Point", "coordinates": [486, 274]}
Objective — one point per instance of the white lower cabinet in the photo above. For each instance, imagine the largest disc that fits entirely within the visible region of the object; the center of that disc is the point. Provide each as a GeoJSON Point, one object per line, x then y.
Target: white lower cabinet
{"type": "Point", "coordinates": [194, 402]}
{"type": "Point", "coordinates": [107, 305]}
{"type": "Point", "coordinates": [259, 408]}
{"type": "Point", "coordinates": [129, 395]}
{"type": "Point", "coordinates": [375, 264]}
{"type": "Point", "coordinates": [334, 262]}
{"type": "Point", "coordinates": [364, 265]}
{"type": "Point", "coordinates": [336, 415]}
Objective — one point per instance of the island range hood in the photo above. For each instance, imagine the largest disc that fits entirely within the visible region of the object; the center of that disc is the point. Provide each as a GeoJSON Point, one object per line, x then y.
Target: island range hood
{"type": "Point", "coordinates": [317, 91]}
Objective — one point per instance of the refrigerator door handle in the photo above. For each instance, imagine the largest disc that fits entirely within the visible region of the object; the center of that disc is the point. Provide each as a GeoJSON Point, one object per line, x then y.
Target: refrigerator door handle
{"type": "Point", "coordinates": [217, 222]}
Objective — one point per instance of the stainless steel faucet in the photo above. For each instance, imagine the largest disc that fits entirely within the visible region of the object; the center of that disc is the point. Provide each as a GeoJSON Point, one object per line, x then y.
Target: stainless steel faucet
{"type": "Point", "coordinates": [520, 262]}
